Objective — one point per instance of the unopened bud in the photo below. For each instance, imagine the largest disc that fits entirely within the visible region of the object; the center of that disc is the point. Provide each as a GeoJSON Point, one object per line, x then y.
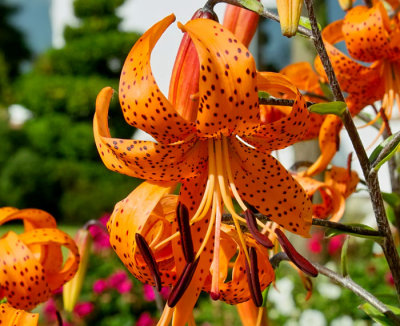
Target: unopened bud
{"type": "Point", "coordinates": [72, 289]}
{"type": "Point", "coordinates": [289, 14]}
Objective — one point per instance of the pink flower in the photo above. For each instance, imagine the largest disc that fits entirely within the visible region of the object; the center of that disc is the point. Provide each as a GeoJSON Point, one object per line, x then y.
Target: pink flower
{"type": "Point", "coordinates": [49, 310]}
{"type": "Point", "coordinates": [83, 309]}
{"type": "Point", "coordinates": [314, 244]}
{"type": "Point", "coordinates": [335, 244]}
{"type": "Point", "coordinates": [389, 278]}
{"type": "Point", "coordinates": [145, 320]}
{"type": "Point", "coordinates": [120, 282]}
{"type": "Point", "coordinates": [165, 292]}
{"type": "Point", "coordinates": [118, 277]}
{"type": "Point", "coordinates": [148, 293]}
{"type": "Point", "coordinates": [125, 286]}
{"type": "Point", "coordinates": [100, 235]}
{"type": "Point", "coordinates": [99, 286]}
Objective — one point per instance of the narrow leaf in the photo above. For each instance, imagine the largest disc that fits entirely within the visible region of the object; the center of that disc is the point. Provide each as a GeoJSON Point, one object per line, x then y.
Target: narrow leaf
{"type": "Point", "coordinates": [331, 232]}
{"type": "Point", "coordinates": [253, 5]}
{"type": "Point", "coordinates": [391, 198]}
{"type": "Point", "coordinates": [263, 95]}
{"type": "Point", "coordinates": [375, 154]}
{"type": "Point", "coordinates": [305, 22]}
{"type": "Point", "coordinates": [380, 317]}
{"type": "Point", "coordinates": [336, 107]}
{"type": "Point", "coordinates": [343, 257]}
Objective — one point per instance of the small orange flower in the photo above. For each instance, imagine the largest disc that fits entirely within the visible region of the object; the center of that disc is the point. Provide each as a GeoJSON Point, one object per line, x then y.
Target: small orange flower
{"type": "Point", "coordinates": [32, 262]}
{"type": "Point", "coordinates": [223, 152]}
{"type": "Point", "coordinates": [371, 37]}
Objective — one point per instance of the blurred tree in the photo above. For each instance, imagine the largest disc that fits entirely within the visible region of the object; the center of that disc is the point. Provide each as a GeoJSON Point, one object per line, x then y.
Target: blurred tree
{"type": "Point", "coordinates": [58, 168]}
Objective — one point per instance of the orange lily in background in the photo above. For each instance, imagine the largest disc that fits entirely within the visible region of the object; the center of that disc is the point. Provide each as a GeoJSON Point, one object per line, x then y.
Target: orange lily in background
{"type": "Point", "coordinates": [339, 184]}
{"type": "Point", "coordinates": [10, 316]}
{"type": "Point", "coordinates": [32, 262]}
{"type": "Point", "coordinates": [371, 37]}
{"type": "Point", "coordinates": [210, 158]}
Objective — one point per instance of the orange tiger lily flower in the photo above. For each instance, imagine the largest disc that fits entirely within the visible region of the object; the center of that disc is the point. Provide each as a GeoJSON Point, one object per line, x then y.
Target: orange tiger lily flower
{"type": "Point", "coordinates": [211, 159]}
{"type": "Point", "coordinates": [10, 316]}
{"type": "Point", "coordinates": [32, 261]}
{"type": "Point", "coordinates": [339, 184]}
{"type": "Point", "coordinates": [371, 37]}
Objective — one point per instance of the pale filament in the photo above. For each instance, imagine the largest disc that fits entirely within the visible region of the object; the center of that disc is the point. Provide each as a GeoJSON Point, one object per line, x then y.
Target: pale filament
{"type": "Point", "coordinates": [215, 263]}
{"type": "Point", "coordinates": [166, 316]}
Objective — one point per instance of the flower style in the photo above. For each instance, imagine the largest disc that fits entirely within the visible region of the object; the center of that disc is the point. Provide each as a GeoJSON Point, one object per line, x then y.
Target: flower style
{"type": "Point", "coordinates": [32, 262]}
{"type": "Point", "coordinates": [371, 37]}
{"type": "Point", "coordinates": [223, 151]}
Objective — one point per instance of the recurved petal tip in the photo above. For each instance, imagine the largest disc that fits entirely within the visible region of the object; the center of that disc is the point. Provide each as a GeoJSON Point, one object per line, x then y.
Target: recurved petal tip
{"type": "Point", "coordinates": [289, 13]}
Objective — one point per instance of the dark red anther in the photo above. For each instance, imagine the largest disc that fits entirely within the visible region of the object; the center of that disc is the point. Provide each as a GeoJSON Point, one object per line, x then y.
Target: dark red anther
{"type": "Point", "coordinates": [252, 224]}
{"type": "Point", "coordinates": [182, 215]}
{"type": "Point", "coordinates": [184, 280]}
{"type": "Point", "coordinates": [302, 263]}
{"type": "Point", "coordinates": [148, 257]}
{"type": "Point", "coordinates": [252, 278]}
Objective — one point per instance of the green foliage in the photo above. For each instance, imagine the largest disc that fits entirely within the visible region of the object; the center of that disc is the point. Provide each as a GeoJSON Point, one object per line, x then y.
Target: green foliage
{"type": "Point", "coordinates": [54, 165]}
{"type": "Point", "coordinates": [89, 55]}
{"type": "Point", "coordinates": [12, 44]}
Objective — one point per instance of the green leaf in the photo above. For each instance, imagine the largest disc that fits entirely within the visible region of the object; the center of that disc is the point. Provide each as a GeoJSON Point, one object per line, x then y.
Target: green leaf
{"type": "Point", "coordinates": [4, 300]}
{"type": "Point", "coordinates": [253, 5]}
{"type": "Point", "coordinates": [336, 107]}
{"type": "Point", "coordinates": [331, 232]}
{"type": "Point", "coordinates": [343, 257]}
{"type": "Point", "coordinates": [391, 198]}
{"type": "Point", "coordinates": [265, 296]}
{"type": "Point", "coordinates": [326, 89]}
{"type": "Point", "coordinates": [263, 95]}
{"type": "Point", "coordinates": [380, 317]}
{"type": "Point", "coordinates": [391, 216]}
{"type": "Point", "coordinates": [305, 22]}
{"type": "Point", "coordinates": [374, 155]}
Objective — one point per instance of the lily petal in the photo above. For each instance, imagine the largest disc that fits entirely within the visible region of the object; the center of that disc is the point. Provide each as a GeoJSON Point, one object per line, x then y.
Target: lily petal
{"type": "Point", "coordinates": [366, 33]}
{"type": "Point", "coordinates": [14, 317]}
{"type": "Point", "coordinates": [143, 104]}
{"type": "Point", "coordinates": [145, 159]}
{"type": "Point", "coordinates": [287, 130]}
{"type": "Point", "coordinates": [227, 85]}
{"type": "Point", "coordinates": [23, 280]}
{"type": "Point", "coordinates": [55, 237]}
{"type": "Point", "coordinates": [137, 213]}
{"type": "Point", "coordinates": [270, 188]}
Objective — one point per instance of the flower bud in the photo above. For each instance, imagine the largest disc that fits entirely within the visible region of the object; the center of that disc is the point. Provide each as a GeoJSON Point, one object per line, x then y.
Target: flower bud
{"type": "Point", "coordinates": [184, 83]}
{"type": "Point", "coordinates": [346, 4]}
{"type": "Point", "coordinates": [72, 289]}
{"type": "Point", "coordinates": [289, 13]}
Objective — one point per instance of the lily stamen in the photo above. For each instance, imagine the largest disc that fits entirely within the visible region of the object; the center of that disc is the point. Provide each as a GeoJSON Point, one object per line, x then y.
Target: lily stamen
{"type": "Point", "coordinates": [214, 293]}
{"type": "Point", "coordinates": [252, 278]}
{"type": "Point", "coordinates": [149, 259]}
{"type": "Point", "coordinates": [182, 215]}
{"type": "Point", "coordinates": [261, 238]}
{"type": "Point", "coordinates": [184, 280]}
{"type": "Point", "coordinates": [302, 263]}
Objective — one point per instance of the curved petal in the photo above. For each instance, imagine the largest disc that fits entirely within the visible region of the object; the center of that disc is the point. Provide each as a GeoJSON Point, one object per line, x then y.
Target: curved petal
{"type": "Point", "coordinates": [227, 85]}
{"type": "Point", "coordinates": [332, 201]}
{"type": "Point", "coordinates": [22, 278]}
{"type": "Point", "coordinates": [265, 184]}
{"type": "Point", "coordinates": [365, 32]}
{"type": "Point", "coordinates": [287, 130]}
{"type": "Point", "coordinates": [50, 256]}
{"type": "Point", "coordinates": [10, 316]}
{"type": "Point", "coordinates": [55, 237]}
{"type": "Point", "coordinates": [248, 313]}
{"type": "Point", "coordinates": [328, 144]}
{"type": "Point", "coordinates": [143, 212]}
{"type": "Point", "coordinates": [352, 76]}
{"type": "Point", "coordinates": [145, 159]}
{"type": "Point", "coordinates": [342, 179]}
{"type": "Point", "coordinates": [143, 104]}
{"type": "Point", "coordinates": [237, 290]}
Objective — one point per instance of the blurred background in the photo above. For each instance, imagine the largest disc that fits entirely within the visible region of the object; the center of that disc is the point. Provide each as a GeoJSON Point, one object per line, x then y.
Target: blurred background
{"type": "Point", "coordinates": [55, 56]}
